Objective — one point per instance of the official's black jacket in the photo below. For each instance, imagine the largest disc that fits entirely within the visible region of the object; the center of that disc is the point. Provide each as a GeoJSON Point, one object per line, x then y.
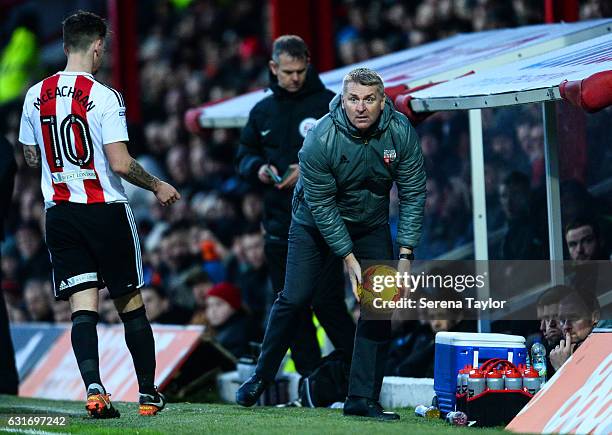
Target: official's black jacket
{"type": "Point", "coordinates": [274, 134]}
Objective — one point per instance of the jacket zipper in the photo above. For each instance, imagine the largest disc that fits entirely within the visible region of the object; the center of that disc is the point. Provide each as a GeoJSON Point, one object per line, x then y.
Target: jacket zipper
{"type": "Point", "coordinates": [367, 168]}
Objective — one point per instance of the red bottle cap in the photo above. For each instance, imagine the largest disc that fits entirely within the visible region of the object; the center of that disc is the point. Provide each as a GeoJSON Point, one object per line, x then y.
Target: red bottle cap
{"type": "Point", "coordinates": [513, 374]}
{"type": "Point", "coordinates": [475, 373]}
{"type": "Point", "coordinates": [494, 374]}
{"type": "Point", "coordinates": [531, 374]}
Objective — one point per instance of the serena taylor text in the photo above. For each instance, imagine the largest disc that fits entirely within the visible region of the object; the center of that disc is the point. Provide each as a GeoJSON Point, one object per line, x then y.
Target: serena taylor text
{"type": "Point", "coordinates": [469, 303]}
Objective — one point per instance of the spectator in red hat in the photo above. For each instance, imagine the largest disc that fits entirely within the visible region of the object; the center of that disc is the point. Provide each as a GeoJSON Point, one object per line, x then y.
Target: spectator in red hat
{"type": "Point", "coordinates": [229, 322]}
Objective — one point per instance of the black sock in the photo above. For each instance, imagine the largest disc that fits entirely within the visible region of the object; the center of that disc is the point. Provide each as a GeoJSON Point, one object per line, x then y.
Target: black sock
{"type": "Point", "coordinates": [139, 340]}
{"type": "Point", "coordinates": [85, 345]}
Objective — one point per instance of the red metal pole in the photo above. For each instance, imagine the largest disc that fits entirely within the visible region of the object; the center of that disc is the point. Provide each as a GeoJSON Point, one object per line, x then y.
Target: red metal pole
{"type": "Point", "coordinates": [124, 44]}
{"type": "Point", "coordinates": [291, 18]}
{"type": "Point", "coordinates": [313, 21]}
{"type": "Point", "coordinates": [323, 30]}
{"type": "Point", "coordinates": [570, 11]}
{"type": "Point", "coordinates": [549, 11]}
{"type": "Point", "coordinates": [561, 10]}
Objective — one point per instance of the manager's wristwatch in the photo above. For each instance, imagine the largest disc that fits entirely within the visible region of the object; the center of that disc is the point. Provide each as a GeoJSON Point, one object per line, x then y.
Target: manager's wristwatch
{"type": "Point", "coordinates": [409, 257]}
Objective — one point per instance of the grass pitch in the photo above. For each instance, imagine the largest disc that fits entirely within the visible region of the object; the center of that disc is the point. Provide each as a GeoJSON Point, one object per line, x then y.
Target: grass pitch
{"type": "Point", "coordinates": [202, 418]}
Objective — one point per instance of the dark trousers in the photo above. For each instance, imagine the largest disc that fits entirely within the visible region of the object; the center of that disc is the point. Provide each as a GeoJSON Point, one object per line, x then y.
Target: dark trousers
{"type": "Point", "coordinates": [9, 380]}
{"type": "Point", "coordinates": [304, 346]}
{"type": "Point", "coordinates": [306, 260]}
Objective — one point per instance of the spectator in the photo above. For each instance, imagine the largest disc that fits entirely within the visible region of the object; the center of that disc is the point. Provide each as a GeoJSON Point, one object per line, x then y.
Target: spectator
{"type": "Point", "coordinates": [61, 311]}
{"type": "Point", "coordinates": [11, 284]}
{"type": "Point", "coordinates": [521, 239]}
{"type": "Point", "coordinates": [176, 262]}
{"type": "Point", "coordinates": [34, 258]}
{"type": "Point", "coordinates": [578, 313]}
{"type": "Point", "coordinates": [200, 283]}
{"type": "Point", "coordinates": [16, 314]}
{"type": "Point", "coordinates": [550, 333]}
{"type": "Point", "coordinates": [249, 271]}
{"type": "Point", "coordinates": [586, 246]}
{"type": "Point", "coordinates": [37, 296]}
{"type": "Point", "coordinates": [230, 325]}
{"type": "Point", "coordinates": [252, 207]}
{"type": "Point", "coordinates": [108, 312]}
{"type": "Point", "coordinates": [584, 241]}
{"type": "Point", "coordinates": [493, 174]}
{"type": "Point", "coordinates": [447, 222]}
{"type": "Point", "coordinates": [159, 309]}
{"type": "Point", "coordinates": [548, 314]}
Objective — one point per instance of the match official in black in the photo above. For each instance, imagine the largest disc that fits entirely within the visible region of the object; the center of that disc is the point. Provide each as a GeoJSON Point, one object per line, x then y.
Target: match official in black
{"type": "Point", "coordinates": [348, 164]}
{"type": "Point", "coordinates": [268, 154]}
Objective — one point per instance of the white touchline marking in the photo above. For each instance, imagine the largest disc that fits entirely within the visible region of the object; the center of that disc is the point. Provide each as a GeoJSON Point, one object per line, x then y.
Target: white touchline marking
{"type": "Point", "coordinates": [45, 409]}
{"type": "Point", "coordinates": [31, 431]}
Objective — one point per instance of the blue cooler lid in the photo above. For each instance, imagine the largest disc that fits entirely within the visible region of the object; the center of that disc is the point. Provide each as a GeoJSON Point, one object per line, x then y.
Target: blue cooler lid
{"type": "Point", "coordinates": [480, 339]}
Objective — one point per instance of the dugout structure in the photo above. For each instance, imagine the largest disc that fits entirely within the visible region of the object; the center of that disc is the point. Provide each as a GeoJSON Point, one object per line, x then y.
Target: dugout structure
{"type": "Point", "coordinates": [472, 72]}
{"type": "Point", "coordinates": [579, 73]}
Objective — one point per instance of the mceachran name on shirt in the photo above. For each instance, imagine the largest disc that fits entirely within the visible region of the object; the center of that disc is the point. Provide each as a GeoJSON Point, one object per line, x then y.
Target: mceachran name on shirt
{"type": "Point", "coordinates": [65, 91]}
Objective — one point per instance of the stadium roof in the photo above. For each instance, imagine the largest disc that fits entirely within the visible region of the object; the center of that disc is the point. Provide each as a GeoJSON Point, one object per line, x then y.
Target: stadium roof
{"type": "Point", "coordinates": [441, 60]}
{"type": "Point", "coordinates": [528, 81]}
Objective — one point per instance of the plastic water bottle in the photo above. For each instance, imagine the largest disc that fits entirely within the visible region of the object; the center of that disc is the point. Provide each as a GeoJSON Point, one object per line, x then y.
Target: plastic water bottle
{"type": "Point", "coordinates": [538, 360]}
{"type": "Point", "coordinates": [429, 412]}
{"type": "Point", "coordinates": [527, 361]}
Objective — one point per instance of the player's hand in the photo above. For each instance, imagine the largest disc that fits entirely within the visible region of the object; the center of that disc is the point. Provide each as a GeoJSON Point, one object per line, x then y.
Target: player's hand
{"type": "Point", "coordinates": [166, 194]}
{"type": "Point", "coordinates": [354, 271]}
{"type": "Point", "coordinates": [404, 268]}
{"type": "Point", "coordinates": [263, 175]}
{"type": "Point", "coordinates": [560, 354]}
{"type": "Point", "coordinates": [290, 181]}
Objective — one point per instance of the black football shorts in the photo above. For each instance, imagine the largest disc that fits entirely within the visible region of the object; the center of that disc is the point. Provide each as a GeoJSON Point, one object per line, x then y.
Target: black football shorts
{"type": "Point", "coordinates": [93, 245]}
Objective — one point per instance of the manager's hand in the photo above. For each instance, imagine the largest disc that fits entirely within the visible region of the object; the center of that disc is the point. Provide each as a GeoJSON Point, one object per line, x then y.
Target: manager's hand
{"type": "Point", "coordinates": [354, 271]}
{"type": "Point", "coordinates": [291, 179]}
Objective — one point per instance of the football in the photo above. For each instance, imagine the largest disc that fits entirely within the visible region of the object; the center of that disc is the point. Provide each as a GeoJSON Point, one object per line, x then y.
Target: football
{"type": "Point", "coordinates": [368, 294]}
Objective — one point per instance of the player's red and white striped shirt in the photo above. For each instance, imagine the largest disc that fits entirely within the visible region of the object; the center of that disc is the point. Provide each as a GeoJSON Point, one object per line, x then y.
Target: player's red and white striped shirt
{"type": "Point", "coordinates": [71, 116]}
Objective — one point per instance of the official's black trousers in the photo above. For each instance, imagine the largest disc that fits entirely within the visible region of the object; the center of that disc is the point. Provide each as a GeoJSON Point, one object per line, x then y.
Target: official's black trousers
{"type": "Point", "coordinates": [306, 260]}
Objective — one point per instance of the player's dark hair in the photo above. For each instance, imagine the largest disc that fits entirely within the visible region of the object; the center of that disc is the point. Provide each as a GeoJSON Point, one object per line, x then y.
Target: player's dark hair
{"type": "Point", "coordinates": [81, 29]}
{"type": "Point", "coordinates": [291, 45]}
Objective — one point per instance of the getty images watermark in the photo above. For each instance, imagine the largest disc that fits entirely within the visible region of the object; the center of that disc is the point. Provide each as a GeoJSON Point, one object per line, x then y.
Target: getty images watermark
{"type": "Point", "coordinates": [469, 290]}
{"type": "Point", "coordinates": [412, 282]}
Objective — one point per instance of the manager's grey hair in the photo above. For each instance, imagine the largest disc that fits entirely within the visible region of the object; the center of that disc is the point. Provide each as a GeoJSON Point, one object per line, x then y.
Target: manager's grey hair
{"type": "Point", "coordinates": [365, 77]}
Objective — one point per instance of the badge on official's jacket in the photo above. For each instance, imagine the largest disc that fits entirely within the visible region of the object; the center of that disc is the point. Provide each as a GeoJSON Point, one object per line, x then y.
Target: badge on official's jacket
{"type": "Point", "coordinates": [306, 125]}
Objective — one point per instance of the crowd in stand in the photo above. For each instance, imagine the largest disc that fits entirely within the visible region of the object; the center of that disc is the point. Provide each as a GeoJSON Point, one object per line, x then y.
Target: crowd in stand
{"type": "Point", "coordinates": [203, 257]}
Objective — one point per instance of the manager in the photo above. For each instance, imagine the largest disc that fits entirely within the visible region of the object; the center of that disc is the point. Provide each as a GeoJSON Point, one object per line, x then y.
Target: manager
{"type": "Point", "coordinates": [348, 164]}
